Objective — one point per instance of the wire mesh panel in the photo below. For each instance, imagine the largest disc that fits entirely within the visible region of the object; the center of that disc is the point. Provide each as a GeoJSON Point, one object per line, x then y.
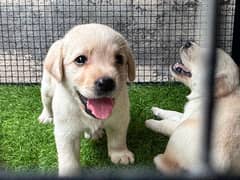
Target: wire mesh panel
{"type": "Point", "coordinates": [155, 30]}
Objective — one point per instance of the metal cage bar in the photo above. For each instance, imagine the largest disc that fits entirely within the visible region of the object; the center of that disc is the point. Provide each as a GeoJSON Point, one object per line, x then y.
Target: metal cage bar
{"type": "Point", "coordinates": [211, 42]}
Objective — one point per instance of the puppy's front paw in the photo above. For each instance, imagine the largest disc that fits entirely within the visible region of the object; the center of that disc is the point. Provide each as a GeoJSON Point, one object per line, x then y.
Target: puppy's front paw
{"type": "Point", "coordinates": [157, 111]}
{"type": "Point", "coordinates": [122, 157]}
{"type": "Point", "coordinates": [45, 117]}
{"type": "Point", "coordinates": [151, 124]}
{"type": "Point", "coordinates": [165, 165]}
{"type": "Point", "coordinates": [158, 161]}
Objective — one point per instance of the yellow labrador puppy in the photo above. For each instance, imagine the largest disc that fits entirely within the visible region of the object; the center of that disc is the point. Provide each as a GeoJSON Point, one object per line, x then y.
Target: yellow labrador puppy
{"type": "Point", "coordinates": [84, 90]}
{"type": "Point", "coordinates": [183, 151]}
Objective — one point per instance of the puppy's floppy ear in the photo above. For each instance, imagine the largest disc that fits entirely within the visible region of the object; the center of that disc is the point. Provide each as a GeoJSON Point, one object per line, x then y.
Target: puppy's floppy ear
{"type": "Point", "coordinates": [225, 84]}
{"type": "Point", "coordinates": [131, 65]}
{"type": "Point", "coordinates": [227, 76]}
{"type": "Point", "coordinates": [53, 62]}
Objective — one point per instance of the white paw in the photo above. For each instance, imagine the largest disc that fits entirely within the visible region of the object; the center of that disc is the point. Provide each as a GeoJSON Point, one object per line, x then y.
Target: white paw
{"type": "Point", "coordinates": [150, 123]}
{"type": "Point", "coordinates": [156, 111]}
{"type": "Point", "coordinates": [45, 117]}
{"type": "Point", "coordinates": [158, 161]}
{"type": "Point", "coordinates": [154, 125]}
{"type": "Point", "coordinates": [122, 157]}
{"type": "Point", "coordinates": [167, 166]}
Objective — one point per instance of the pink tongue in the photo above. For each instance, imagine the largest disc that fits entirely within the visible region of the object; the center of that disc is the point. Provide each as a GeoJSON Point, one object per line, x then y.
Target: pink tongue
{"type": "Point", "coordinates": [101, 108]}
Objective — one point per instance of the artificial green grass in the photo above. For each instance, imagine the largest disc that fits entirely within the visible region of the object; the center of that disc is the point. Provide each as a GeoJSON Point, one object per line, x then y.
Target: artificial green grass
{"type": "Point", "coordinates": [28, 145]}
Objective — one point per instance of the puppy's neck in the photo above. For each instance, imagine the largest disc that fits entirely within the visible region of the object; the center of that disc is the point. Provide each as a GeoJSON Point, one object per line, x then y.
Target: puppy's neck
{"type": "Point", "coordinates": [194, 95]}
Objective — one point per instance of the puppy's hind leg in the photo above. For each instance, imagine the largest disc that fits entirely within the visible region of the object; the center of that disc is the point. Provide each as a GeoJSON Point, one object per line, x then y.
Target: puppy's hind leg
{"type": "Point", "coordinates": [165, 127]}
{"type": "Point", "coordinates": [166, 114]}
{"type": "Point", "coordinates": [166, 164]}
{"type": "Point", "coordinates": [46, 97]}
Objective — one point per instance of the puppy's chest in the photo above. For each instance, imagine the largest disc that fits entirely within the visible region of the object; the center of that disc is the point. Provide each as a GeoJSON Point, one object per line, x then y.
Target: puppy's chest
{"type": "Point", "coordinates": [67, 112]}
{"type": "Point", "coordinates": [76, 118]}
{"type": "Point", "coordinates": [192, 109]}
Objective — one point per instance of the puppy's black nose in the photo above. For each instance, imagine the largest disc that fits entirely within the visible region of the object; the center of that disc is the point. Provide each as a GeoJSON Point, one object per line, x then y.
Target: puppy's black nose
{"type": "Point", "coordinates": [104, 85]}
{"type": "Point", "coordinates": [188, 44]}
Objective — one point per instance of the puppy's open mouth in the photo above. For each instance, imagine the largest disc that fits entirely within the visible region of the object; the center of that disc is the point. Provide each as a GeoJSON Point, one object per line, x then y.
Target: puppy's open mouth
{"type": "Point", "coordinates": [181, 69]}
{"type": "Point", "coordinates": [100, 108]}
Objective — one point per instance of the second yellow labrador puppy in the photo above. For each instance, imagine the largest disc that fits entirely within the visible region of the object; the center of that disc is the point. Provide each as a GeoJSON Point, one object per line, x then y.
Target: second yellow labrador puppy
{"type": "Point", "coordinates": [84, 90]}
{"type": "Point", "coordinates": [183, 151]}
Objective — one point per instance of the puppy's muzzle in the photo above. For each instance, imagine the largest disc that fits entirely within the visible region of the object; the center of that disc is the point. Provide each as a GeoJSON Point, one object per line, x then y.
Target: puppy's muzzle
{"type": "Point", "coordinates": [104, 86]}
{"type": "Point", "coordinates": [101, 106]}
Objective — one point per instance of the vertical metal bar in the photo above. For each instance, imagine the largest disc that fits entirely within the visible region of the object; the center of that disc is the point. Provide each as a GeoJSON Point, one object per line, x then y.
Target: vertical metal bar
{"type": "Point", "coordinates": [236, 34]}
{"type": "Point", "coordinates": [209, 80]}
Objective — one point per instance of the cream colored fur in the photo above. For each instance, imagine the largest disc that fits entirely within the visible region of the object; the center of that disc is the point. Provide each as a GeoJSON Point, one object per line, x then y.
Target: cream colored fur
{"type": "Point", "coordinates": [183, 151]}
{"type": "Point", "coordinates": [61, 77]}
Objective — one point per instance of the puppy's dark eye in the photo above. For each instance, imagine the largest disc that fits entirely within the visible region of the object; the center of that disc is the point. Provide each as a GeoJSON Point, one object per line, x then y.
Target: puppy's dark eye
{"type": "Point", "coordinates": [80, 60]}
{"type": "Point", "coordinates": [119, 59]}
